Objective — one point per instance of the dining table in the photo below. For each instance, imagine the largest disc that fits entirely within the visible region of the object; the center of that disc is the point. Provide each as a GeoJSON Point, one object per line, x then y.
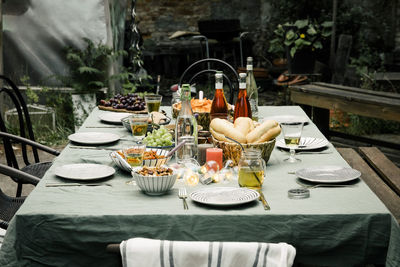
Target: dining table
{"type": "Point", "coordinates": [72, 225]}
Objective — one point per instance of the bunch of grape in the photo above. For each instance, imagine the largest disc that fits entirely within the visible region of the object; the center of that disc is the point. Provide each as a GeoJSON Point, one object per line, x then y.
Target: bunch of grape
{"type": "Point", "coordinates": [131, 102]}
{"type": "Point", "coordinates": [160, 137]}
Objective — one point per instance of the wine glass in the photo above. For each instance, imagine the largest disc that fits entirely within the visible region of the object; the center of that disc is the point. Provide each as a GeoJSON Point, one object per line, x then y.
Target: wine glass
{"type": "Point", "coordinates": [292, 134]}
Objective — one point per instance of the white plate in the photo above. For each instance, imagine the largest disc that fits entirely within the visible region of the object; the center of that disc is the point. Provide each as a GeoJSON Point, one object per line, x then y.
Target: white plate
{"type": "Point", "coordinates": [224, 196]}
{"type": "Point", "coordinates": [113, 117]}
{"type": "Point", "coordinates": [288, 118]}
{"type": "Point", "coordinates": [328, 174]}
{"type": "Point", "coordinates": [93, 138]}
{"type": "Point", "coordinates": [306, 143]}
{"type": "Point", "coordinates": [84, 171]}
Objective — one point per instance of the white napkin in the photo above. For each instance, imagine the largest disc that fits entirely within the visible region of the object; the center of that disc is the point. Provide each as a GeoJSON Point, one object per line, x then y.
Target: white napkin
{"type": "Point", "coordinates": [143, 252]}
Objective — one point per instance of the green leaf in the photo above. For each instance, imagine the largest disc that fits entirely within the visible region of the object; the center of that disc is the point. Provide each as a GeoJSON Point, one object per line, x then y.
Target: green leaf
{"type": "Point", "coordinates": [326, 33]}
{"type": "Point", "coordinates": [96, 83]}
{"type": "Point", "coordinates": [318, 45]}
{"type": "Point", "coordinates": [292, 51]}
{"type": "Point", "coordinates": [327, 24]}
{"type": "Point", "coordinates": [86, 69]}
{"type": "Point", "coordinates": [311, 30]}
{"type": "Point", "coordinates": [290, 35]}
{"type": "Point", "coordinates": [301, 23]}
{"type": "Point", "coordinates": [288, 42]}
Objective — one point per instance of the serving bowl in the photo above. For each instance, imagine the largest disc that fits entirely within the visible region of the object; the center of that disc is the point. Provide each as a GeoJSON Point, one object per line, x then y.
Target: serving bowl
{"type": "Point", "coordinates": [119, 159]}
{"type": "Point", "coordinates": [154, 185]}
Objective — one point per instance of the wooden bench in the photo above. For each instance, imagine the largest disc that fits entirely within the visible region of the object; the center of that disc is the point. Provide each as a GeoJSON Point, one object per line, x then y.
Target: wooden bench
{"type": "Point", "coordinates": [319, 98]}
{"type": "Point", "coordinates": [379, 173]}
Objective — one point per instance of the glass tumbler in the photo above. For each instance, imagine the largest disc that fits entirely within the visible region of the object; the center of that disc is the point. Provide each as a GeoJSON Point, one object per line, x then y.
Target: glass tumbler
{"type": "Point", "coordinates": [139, 123]}
{"type": "Point", "coordinates": [153, 102]}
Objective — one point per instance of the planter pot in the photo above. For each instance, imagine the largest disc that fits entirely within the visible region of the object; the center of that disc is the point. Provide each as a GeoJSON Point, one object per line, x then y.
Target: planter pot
{"type": "Point", "coordinates": [302, 63]}
{"type": "Point", "coordinates": [82, 104]}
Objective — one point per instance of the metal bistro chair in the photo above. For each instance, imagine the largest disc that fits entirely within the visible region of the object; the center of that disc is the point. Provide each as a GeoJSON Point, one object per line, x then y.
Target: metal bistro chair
{"type": "Point", "coordinates": [211, 66]}
{"type": "Point", "coordinates": [10, 205]}
{"type": "Point", "coordinates": [35, 168]}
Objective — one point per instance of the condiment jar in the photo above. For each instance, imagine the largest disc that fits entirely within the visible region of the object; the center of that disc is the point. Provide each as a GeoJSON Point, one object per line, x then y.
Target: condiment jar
{"type": "Point", "coordinates": [252, 169]}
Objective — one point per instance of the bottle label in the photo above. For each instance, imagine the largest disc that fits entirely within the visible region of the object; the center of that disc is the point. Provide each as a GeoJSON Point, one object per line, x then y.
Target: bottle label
{"type": "Point", "coordinates": [218, 85]}
{"type": "Point", "coordinates": [242, 85]}
{"type": "Point", "coordinates": [249, 67]}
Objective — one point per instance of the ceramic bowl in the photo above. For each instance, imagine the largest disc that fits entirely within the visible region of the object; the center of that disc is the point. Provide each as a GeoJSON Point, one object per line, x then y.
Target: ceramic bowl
{"type": "Point", "coordinates": [155, 185]}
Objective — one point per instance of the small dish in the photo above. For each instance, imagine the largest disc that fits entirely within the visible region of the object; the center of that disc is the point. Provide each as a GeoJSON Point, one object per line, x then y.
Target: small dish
{"type": "Point", "coordinates": [328, 174]}
{"type": "Point", "coordinates": [154, 185]}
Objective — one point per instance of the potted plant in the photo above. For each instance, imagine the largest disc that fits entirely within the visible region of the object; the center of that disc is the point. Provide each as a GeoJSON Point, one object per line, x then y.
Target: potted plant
{"type": "Point", "coordinates": [301, 39]}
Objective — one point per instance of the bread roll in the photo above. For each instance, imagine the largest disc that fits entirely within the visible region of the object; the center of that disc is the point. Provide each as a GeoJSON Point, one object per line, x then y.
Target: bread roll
{"type": "Point", "coordinates": [224, 127]}
{"type": "Point", "coordinates": [260, 131]}
{"type": "Point", "coordinates": [270, 134]}
{"type": "Point", "coordinates": [244, 125]}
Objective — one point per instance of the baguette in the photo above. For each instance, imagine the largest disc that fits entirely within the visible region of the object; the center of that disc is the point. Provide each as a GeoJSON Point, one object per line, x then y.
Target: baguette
{"type": "Point", "coordinates": [260, 133]}
{"type": "Point", "coordinates": [223, 127]}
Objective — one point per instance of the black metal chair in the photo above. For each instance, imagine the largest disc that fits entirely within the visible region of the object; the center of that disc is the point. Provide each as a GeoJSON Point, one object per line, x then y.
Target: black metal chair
{"type": "Point", "coordinates": [25, 131]}
{"type": "Point", "coordinates": [10, 205]}
{"type": "Point", "coordinates": [211, 66]}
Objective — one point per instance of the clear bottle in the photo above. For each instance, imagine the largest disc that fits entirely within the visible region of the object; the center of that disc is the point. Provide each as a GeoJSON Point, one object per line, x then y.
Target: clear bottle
{"type": "Point", "coordinates": [252, 89]}
{"type": "Point", "coordinates": [186, 124]}
{"type": "Point", "coordinates": [242, 106]}
{"type": "Point", "coordinates": [219, 106]}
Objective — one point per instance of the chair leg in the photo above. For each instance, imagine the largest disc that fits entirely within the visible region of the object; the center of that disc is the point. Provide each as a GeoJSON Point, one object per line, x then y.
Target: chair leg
{"type": "Point", "coordinates": [19, 190]}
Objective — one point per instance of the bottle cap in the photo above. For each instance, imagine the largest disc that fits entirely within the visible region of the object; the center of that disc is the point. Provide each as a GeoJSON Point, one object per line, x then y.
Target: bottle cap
{"type": "Point", "coordinates": [299, 193]}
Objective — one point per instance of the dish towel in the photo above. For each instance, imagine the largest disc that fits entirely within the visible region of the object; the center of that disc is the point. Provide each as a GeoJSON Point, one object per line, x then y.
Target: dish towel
{"type": "Point", "coordinates": [143, 252]}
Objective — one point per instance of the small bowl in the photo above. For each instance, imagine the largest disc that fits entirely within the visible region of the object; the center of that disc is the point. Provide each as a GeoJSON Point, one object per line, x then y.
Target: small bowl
{"type": "Point", "coordinates": [155, 185]}
{"type": "Point", "coordinates": [125, 122]}
{"type": "Point", "coordinates": [122, 164]}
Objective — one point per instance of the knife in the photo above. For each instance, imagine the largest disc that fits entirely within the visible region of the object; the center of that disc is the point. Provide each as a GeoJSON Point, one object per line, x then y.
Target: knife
{"type": "Point", "coordinates": [263, 201]}
{"type": "Point", "coordinates": [74, 184]}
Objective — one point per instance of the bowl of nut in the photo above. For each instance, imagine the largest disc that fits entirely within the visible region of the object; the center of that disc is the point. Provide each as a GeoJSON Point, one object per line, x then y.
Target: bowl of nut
{"type": "Point", "coordinates": [154, 181]}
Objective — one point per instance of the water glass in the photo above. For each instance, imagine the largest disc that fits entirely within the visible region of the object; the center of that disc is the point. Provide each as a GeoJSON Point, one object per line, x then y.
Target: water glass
{"type": "Point", "coordinates": [188, 150]}
{"type": "Point", "coordinates": [134, 154]}
{"type": "Point", "coordinates": [139, 124]}
{"type": "Point", "coordinates": [153, 102]}
{"type": "Point", "coordinates": [292, 134]}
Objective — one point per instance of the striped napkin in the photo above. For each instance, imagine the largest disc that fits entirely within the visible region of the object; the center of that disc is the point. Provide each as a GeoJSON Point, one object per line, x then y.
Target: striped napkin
{"type": "Point", "coordinates": [143, 252]}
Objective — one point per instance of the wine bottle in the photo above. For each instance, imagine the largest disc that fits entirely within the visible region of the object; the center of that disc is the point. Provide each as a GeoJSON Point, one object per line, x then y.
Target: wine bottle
{"type": "Point", "coordinates": [252, 89]}
{"type": "Point", "coordinates": [219, 106]}
{"type": "Point", "coordinates": [242, 105]}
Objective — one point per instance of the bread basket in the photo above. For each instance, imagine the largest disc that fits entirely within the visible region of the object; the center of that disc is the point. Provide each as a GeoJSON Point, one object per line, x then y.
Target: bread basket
{"type": "Point", "coordinates": [233, 151]}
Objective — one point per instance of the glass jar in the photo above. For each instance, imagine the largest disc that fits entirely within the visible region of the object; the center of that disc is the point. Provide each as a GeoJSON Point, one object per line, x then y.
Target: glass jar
{"type": "Point", "coordinates": [252, 169]}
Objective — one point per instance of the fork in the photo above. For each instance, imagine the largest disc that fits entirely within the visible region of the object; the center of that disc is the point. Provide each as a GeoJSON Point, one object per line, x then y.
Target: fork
{"type": "Point", "coordinates": [183, 195]}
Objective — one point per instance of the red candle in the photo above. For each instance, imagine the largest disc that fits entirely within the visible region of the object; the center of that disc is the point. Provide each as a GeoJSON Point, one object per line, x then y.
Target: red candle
{"type": "Point", "coordinates": [214, 154]}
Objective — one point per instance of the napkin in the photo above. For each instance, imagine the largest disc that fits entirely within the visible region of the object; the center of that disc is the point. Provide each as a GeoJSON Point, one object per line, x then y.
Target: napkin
{"type": "Point", "coordinates": [138, 252]}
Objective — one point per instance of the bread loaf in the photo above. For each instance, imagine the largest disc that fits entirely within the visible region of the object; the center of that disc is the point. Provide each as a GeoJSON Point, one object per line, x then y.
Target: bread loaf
{"type": "Point", "coordinates": [244, 125]}
{"type": "Point", "coordinates": [261, 133]}
{"type": "Point", "coordinates": [226, 128]}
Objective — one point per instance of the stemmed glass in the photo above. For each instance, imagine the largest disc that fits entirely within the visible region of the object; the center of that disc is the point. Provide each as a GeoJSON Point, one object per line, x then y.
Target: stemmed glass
{"type": "Point", "coordinates": [292, 134]}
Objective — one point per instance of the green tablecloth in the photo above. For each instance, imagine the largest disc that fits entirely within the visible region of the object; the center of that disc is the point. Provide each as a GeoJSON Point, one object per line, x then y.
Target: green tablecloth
{"type": "Point", "coordinates": [71, 226]}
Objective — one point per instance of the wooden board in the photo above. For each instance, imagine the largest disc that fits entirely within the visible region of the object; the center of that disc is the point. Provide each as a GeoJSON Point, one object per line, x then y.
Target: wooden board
{"type": "Point", "coordinates": [375, 183]}
{"type": "Point", "coordinates": [353, 102]}
{"type": "Point", "coordinates": [122, 110]}
{"type": "Point", "coordinates": [383, 166]}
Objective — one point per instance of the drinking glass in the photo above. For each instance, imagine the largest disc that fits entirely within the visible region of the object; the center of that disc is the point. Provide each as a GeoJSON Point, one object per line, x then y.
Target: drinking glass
{"type": "Point", "coordinates": [153, 102]}
{"type": "Point", "coordinates": [134, 154]}
{"type": "Point", "coordinates": [292, 134]}
{"type": "Point", "coordinates": [139, 124]}
{"type": "Point", "coordinates": [188, 150]}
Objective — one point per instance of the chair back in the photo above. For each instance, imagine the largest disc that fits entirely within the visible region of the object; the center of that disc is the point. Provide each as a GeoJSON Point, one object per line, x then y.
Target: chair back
{"type": "Point", "coordinates": [210, 66]}
{"type": "Point", "coordinates": [24, 121]}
